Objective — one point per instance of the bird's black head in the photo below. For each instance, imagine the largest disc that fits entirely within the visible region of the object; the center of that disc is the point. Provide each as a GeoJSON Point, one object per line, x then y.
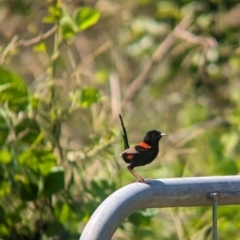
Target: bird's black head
{"type": "Point", "coordinates": [153, 136]}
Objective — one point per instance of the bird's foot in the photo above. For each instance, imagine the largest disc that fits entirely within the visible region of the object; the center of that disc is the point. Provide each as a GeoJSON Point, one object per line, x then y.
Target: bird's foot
{"type": "Point", "coordinates": [144, 180]}
{"type": "Point", "coordinates": [141, 181]}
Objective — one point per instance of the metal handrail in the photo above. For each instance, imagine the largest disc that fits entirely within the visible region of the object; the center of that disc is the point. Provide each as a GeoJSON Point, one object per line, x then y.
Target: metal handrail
{"type": "Point", "coordinates": [160, 193]}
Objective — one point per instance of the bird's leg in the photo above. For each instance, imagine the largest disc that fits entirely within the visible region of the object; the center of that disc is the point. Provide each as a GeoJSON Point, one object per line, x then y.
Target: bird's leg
{"type": "Point", "coordinates": [140, 179]}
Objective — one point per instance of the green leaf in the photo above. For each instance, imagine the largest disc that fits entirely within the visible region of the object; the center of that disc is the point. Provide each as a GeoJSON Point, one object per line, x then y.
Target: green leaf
{"type": "Point", "coordinates": [100, 189]}
{"type": "Point", "coordinates": [54, 181]}
{"type": "Point", "coordinates": [34, 102]}
{"type": "Point", "coordinates": [89, 96]}
{"type": "Point", "coordinates": [150, 212]}
{"type": "Point", "coordinates": [51, 229]}
{"type": "Point", "coordinates": [101, 76]}
{"type": "Point", "coordinates": [167, 9]}
{"type": "Point", "coordinates": [65, 212]}
{"type": "Point", "coordinates": [49, 19]}
{"type": "Point", "coordinates": [54, 14]}
{"type": "Point", "coordinates": [67, 27]}
{"type": "Point", "coordinates": [40, 47]}
{"type": "Point", "coordinates": [230, 142]}
{"type": "Point", "coordinates": [38, 160]}
{"type": "Point", "coordinates": [62, 211]}
{"type": "Point", "coordinates": [5, 156]}
{"type": "Point", "coordinates": [2, 215]}
{"type": "Point", "coordinates": [5, 189]}
{"type": "Point", "coordinates": [13, 90]}
{"type": "Point", "coordinates": [29, 191]}
{"type": "Point", "coordinates": [27, 130]}
{"type": "Point", "coordinates": [141, 218]}
{"type": "Point", "coordinates": [2, 173]}
{"type": "Point", "coordinates": [4, 130]}
{"type": "Point", "coordinates": [85, 17]}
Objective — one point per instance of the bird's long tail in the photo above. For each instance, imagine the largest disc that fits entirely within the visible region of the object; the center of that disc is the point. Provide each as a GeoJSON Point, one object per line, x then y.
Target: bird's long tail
{"type": "Point", "coordinates": [125, 138]}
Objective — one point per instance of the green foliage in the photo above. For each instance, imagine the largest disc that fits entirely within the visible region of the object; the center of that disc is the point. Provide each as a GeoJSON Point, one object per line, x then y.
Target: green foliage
{"type": "Point", "coordinates": [68, 27]}
{"type": "Point", "coordinates": [85, 17]}
{"type": "Point", "coordinates": [4, 130]}
{"type": "Point", "coordinates": [142, 218]}
{"type": "Point", "coordinates": [5, 156]}
{"type": "Point", "coordinates": [27, 130]}
{"type": "Point", "coordinates": [29, 191]}
{"type": "Point", "coordinates": [38, 160]}
{"type": "Point", "coordinates": [53, 182]}
{"type": "Point", "coordinates": [13, 90]}
{"type": "Point", "coordinates": [63, 82]}
{"type": "Point", "coordinates": [54, 14]}
{"type": "Point", "coordinates": [89, 96]}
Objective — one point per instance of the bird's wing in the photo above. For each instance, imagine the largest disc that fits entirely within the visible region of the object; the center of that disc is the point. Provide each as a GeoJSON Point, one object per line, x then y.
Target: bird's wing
{"type": "Point", "coordinates": [138, 149]}
{"type": "Point", "coordinates": [131, 150]}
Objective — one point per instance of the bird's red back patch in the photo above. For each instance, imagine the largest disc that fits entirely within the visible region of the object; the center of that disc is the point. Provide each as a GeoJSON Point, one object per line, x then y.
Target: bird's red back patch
{"type": "Point", "coordinates": [144, 145]}
{"type": "Point", "coordinates": [129, 157]}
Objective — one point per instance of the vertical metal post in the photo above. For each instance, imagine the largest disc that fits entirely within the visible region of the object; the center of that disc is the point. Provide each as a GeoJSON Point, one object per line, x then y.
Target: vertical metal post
{"type": "Point", "coordinates": [215, 196]}
{"type": "Point", "coordinates": [215, 216]}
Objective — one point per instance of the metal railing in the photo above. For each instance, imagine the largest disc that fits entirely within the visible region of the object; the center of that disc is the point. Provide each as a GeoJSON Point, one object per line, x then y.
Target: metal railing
{"type": "Point", "coordinates": [161, 193]}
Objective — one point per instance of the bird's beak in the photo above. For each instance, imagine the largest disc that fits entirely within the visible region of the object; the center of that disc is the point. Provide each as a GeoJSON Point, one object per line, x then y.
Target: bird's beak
{"type": "Point", "coordinates": [163, 134]}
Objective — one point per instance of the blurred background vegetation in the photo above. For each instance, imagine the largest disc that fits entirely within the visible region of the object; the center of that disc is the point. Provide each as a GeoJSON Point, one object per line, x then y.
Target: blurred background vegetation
{"type": "Point", "coordinates": [69, 67]}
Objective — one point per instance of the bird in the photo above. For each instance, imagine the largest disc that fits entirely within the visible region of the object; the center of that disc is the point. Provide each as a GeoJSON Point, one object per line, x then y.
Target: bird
{"type": "Point", "coordinates": [143, 153]}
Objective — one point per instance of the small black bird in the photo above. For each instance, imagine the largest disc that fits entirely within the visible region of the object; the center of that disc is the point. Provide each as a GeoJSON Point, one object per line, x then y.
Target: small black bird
{"type": "Point", "coordinates": [143, 153]}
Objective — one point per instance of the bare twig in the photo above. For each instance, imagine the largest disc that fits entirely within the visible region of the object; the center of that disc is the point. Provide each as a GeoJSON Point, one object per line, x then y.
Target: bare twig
{"type": "Point", "coordinates": [8, 49]}
{"type": "Point", "coordinates": [30, 42]}
{"type": "Point", "coordinates": [25, 43]}
{"type": "Point", "coordinates": [187, 134]}
{"type": "Point", "coordinates": [93, 152]}
{"type": "Point", "coordinates": [90, 57]}
{"type": "Point", "coordinates": [159, 54]}
{"type": "Point", "coordinates": [191, 38]}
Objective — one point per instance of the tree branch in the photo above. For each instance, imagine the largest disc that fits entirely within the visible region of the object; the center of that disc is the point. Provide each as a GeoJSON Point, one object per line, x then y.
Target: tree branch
{"type": "Point", "coordinates": [159, 54]}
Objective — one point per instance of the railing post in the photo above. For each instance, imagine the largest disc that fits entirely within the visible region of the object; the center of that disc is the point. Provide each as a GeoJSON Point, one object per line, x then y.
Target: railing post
{"type": "Point", "coordinates": [214, 196]}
